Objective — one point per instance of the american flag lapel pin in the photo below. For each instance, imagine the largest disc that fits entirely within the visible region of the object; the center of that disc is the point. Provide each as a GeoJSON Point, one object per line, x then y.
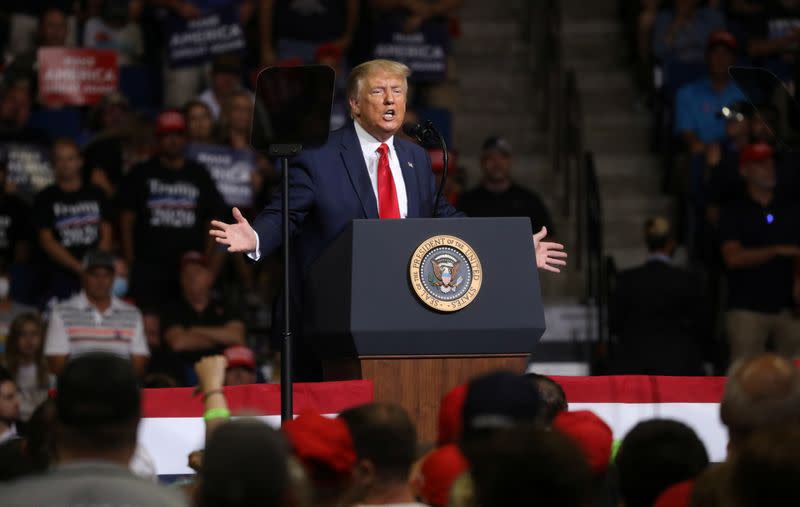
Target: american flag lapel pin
{"type": "Point", "coordinates": [410, 164]}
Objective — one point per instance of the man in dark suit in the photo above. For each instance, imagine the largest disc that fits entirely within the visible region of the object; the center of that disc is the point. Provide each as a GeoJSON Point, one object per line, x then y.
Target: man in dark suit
{"type": "Point", "coordinates": [657, 312]}
{"type": "Point", "coordinates": [362, 171]}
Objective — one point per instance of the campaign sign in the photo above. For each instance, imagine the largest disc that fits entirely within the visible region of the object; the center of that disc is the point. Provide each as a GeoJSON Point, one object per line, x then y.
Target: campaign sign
{"type": "Point", "coordinates": [29, 168]}
{"type": "Point", "coordinates": [424, 50]}
{"type": "Point", "coordinates": [197, 41]}
{"type": "Point", "coordinates": [76, 76]}
{"type": "Point", "coordinates": [231, 170]}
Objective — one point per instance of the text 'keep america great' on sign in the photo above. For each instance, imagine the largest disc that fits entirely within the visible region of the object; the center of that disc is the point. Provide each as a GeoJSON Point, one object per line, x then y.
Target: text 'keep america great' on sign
{"type": "Point", "coordinates": [76, 77]}
{"type": "Point", "coordinates": [197, 41]}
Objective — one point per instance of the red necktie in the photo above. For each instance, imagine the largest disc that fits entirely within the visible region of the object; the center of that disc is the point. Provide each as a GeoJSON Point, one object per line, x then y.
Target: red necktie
{"type": "Point", "coordinates": [387, 194]}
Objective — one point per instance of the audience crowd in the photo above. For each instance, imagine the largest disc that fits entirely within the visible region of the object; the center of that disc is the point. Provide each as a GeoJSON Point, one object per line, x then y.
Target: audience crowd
{"type": "Point", "coordinates": [724, 138]}
{"type": "Point", "coordinates": [503, 439]}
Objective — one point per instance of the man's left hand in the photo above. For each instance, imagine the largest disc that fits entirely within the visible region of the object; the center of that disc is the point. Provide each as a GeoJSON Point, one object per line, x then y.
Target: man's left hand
{"type": "Point", "coordinates": [549, 255]}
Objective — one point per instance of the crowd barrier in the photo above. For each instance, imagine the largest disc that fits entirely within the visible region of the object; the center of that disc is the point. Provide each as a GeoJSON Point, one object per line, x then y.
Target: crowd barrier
{"type": "Point", "coordinates": [172, 423]}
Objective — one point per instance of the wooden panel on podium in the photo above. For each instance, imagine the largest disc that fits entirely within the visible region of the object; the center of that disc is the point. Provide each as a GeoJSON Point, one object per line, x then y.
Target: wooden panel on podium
{"type": "Point", "coordinates": [418, 383]}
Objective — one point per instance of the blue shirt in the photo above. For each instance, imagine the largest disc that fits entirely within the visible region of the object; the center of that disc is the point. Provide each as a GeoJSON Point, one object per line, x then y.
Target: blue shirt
{"type": "Point", "coordinates": [696, 108]}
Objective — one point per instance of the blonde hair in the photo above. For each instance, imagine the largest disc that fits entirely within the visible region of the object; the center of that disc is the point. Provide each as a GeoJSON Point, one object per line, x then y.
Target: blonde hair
{"type": "Point", "coordinates": [360, 72]}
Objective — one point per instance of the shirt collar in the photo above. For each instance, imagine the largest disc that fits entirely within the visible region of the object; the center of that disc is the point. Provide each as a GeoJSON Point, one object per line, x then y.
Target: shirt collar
{"type": "Point", "coordinates": [368, 142]}
{"type": "Point", "coordinates": [84, 303]}
{"type": "Point", "coordinates": [659, 257]}
{"type": "Point", "coordinates": [10, 433]}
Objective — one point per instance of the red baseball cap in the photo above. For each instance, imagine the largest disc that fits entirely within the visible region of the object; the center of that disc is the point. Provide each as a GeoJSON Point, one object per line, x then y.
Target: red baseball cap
{"type": "Point", "coordinates": [755, 152]}
{"type": "Point", "coordinates": [450, 415]}
{"type": "Point", "coordinates": [591, 434]}
{"type": "Point", "coordinates": [677, 495]}
{"type": "Point", "coordinates": [193, 258]}
{"type": "Point", "coordinates": [328, 50]}
{"type": "Point", "coordinates": [722, 37]}
{"type": "Point", "coordinates": [170, 122]}
{"type": "Point", "coordinates": [439, 471]}
{"type": "Point", "coordinates": [239, 355]}
{"type": "Point", "coordinates": [322, 444]}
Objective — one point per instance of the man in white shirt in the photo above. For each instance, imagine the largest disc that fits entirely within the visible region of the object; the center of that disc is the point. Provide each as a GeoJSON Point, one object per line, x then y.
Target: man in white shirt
{"type": "Point", "coordinates": [94, 320]}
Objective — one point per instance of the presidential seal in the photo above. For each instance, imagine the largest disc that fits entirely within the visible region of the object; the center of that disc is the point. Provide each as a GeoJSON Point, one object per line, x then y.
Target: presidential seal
{"type": "Point", "coordinates": [445, 273]}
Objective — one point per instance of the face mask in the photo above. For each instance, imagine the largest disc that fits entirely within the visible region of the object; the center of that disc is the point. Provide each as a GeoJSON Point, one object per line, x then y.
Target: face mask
{"type": "Point", "coordinates": [4, 287]}
{"type": "Point", "coordinates": [120, 287]}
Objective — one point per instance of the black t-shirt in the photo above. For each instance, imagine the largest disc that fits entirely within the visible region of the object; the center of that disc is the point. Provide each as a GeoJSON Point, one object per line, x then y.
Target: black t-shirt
{"type": "Point", "coordinates": [104, 153]}
{"type": "Point", "coordinates": [767, 287]}
{"type": "Point", "coordinates": [515, 202]}
{"type": "Point", "coordinates": [180, 313]}
{"type": "Point", "coordinates": [172, 207]}
{"type": "Point", "coordinates": [14, 226]}
{"type": "Point", "coordinates": [73, 217]}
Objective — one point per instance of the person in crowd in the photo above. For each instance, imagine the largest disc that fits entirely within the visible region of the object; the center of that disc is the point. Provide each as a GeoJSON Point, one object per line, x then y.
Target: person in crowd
{"type": "Point", "coordinates": [241, 368]}
{"type": "Point", "coordinates": [71, 219]}
{"type": "Point", "coordinates": [112, 123]}
{"type": "Point", "coordinates": [554, 400]}
{"type": "Point", "coordinates": [52, 31]}
{"type": "Point", "coordinates": [494, 403]}
{"type": "Point", "coordinates": [658, 312]}
{"type": "Point", "coordinates": [166, 201]}
{"type": "Point", "coordinates": [199, 122]}
{"type": "Point", "coordinates": [525, 461]}
{"type": "Point", "coordinates": [226, 79]}
{"type": "Point", "coordinates": [116, 28]}
{"type": "Point", "coordinates": [385, 442]}
{"type": "Point", "coordinates": [9, 406]}
{"type": "Point", "coordinates": [697, 103]}
{"type": "Point", "coordinates": [324, 198]}
{"type": "Point", "coordinates": [95, 320]}
{"type": "Point", "coordinates": [592, 436]}
{"type": "Point", "coordinates": [765, 471]}
{"type": "Point", "coordinates": [654, 455]}
{"type": "Point", "coordinates": [725, 184]}
{"type": "Point", "coordinates": [245, 463]}
{"type": "Point", "coordinates": [326, 450]}
{"type": "Point", "coordinates": [196, 324]}
{"type": "Point", "coordinates": [773, 36]}
{"type": "Point", "coordinates": [680, 33]}
{"type": "Point", "coordinates": [760, 238]}
{"type": "Point", "coordinates": [762, 392]}
{"type": "Point", "coordinates": [98, 409]}
{"type": "Point", "coordinates": [41, 436]}
{"type": "Point", "coordinates": [14, 222]}
{"type": "Point", "coordinates": [26, 362]}
{"type": "Point", "coordinates": [291, 31]}
{"type": "Point", "coordinates": [235, 120]}
{"type": "Point", "coordinates": [438, 473]}
{"type": "Point", "coordinates": [498, 195]}
{"type": "Point", "coordinates": [9, 309]}
{"type": "Point", "coordinates": [15, 112]}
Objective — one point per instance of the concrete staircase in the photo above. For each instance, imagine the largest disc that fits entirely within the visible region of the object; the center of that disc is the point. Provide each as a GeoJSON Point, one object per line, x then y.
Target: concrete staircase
{"type": "Point", "coordinates": [498, 95]}
{"type": "Point", "coordinates": [614, 128]}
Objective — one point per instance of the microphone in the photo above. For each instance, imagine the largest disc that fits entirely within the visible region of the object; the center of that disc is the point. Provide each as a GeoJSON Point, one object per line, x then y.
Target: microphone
{"type": "Point", "coordinates": [427, 135]}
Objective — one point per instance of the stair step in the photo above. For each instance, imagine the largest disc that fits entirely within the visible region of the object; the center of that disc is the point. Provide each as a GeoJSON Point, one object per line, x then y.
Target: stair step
{"type": "Point", "coordinates": [523, 141]}
{"type": "Point", "coordinates": [622, 120]}
{"type": "Point", "coordinates": [486, 29]}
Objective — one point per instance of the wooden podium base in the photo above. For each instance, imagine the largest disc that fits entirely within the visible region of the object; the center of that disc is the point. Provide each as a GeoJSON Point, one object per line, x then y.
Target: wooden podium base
{"type": "Point", "coordinates": [417, 383]}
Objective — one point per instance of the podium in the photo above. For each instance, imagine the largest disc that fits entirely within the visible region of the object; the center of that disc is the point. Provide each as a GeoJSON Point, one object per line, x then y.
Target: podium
{"type": "Point", "coordinates": [365, 316]}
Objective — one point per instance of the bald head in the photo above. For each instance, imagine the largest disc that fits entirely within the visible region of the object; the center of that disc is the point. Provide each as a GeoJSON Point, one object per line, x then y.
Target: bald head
{"type": "Point", "coordinates": [761, 391]}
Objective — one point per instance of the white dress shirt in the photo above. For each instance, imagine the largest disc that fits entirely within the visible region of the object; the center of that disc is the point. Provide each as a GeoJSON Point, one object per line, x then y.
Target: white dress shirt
{"type": "Point", "coordinates": [369, 149]}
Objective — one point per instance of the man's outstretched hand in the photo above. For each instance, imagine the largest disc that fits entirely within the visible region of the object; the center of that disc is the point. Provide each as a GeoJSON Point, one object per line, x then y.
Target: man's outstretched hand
{"type": "Point", "coordinates": [549, 255]}
{"type": "Point", "coordinates": [238, 236]}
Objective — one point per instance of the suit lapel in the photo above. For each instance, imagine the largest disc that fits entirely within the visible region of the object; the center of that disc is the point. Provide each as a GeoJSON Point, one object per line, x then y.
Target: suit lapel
{"type": "Point", "coordinates": [357, 170]}
{"type": "Point", "coordinates": [409, 178]}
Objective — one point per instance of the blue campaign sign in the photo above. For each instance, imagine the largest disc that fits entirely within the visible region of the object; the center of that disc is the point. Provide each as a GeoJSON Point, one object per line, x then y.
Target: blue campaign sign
{"type": "Point", "coordinates": [231, 170]}
{"type": "Point", "coordinates": [197, 41]}
{"type": "Point", "coordinates": [424, 50]}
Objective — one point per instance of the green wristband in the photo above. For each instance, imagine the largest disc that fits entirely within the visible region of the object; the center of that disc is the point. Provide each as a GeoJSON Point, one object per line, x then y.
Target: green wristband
{"type": "Point", "coordinates": [216, 413]}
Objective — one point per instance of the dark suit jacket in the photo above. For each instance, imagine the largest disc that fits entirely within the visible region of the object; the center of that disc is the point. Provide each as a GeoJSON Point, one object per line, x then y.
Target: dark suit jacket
{"type": "Point", "coordinates": [329, 187]}
{"type": "Point", "coordinates": [657, 315]}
